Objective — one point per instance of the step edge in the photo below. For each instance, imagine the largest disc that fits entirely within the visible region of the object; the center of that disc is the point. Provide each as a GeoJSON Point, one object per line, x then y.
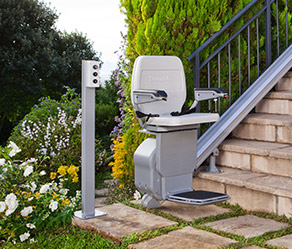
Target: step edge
{"type": "Point", "coordinates": [248, 184]}
{"type": "Point", "coordinates": [274, 152]}
{"type": "Point", "coordinates": [270, 119]}
{"type": "Point", "coordinates": [279, 95]}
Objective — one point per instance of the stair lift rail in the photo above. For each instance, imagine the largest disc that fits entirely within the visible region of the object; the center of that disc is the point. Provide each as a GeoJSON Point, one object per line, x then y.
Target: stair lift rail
{"type": "Point", "coordinates": [270, 11]}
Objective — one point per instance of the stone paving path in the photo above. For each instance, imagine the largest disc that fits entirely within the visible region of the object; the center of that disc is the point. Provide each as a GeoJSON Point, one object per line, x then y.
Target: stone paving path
{"type": "Point", "coordinates": [175, 225]}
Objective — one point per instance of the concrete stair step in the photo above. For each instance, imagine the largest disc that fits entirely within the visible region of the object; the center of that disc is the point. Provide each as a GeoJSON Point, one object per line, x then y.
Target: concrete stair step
{"type": "Point", "coordinates": [279, 102]}
{"type": "Point", "coordinates": [252, 191]}
{"type": "Point", "coordinates": [265, 127]}
{"type": "Point", "coordinates": [285, 84]}
{"type": "Point", "coordinates": [256, 156]}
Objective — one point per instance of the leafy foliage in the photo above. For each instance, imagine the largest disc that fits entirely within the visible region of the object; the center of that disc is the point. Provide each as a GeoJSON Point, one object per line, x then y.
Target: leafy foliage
{"type": "Point", "coordinates": [36, 59]}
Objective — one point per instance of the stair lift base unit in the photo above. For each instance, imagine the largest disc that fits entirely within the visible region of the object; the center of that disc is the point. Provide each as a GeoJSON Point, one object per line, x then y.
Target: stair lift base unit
{"type": "Point", "coordinates": [164, 165]}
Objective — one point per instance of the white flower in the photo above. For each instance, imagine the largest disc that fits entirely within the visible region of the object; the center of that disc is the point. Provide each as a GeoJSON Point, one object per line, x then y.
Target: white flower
{"type": "Point", "coordinates": [33, 186]}
{"type": "Point", "coordinates": [12, 203]}
{"type": "Point", "coordinates": [30, 226]}
{"type": "Point", "coordinates": [1, 177]}
{"type": "Point", "coordinates": [33, 240]}
{"type": "Point", "coordinates": [137, 195]}
{"type": "Point", "coordinates": [28, 170]}
{"type": "Point", "coordinates": [32, 160]}
{"type": "Point", "coordinates": [44, 151]}
{"type": "Point", "coordinates": [26, 211]}
{"type": "Point", "coordinates": [64, 191]}
{"type": "Point", "coordinates": [2, 161]}
{"type": "Point", "coordinates": [24, 236]}
{"type": "Point", "coordinates": [42, 173]}
{"type": "Point", "coordinates": [53, 205]}
{"type": "Point", "coordinates": [2, 206]}
{"type": "Point", "coordinates": [15, 149]}
{"type": "Point", "coordinates": [44, 188]}
{"type": "Point", "coordinates": [22, 166]}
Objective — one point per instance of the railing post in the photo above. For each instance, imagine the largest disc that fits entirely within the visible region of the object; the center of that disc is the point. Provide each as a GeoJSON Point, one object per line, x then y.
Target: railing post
{"type": "Point", "coordinates": [268, 33]}
{"type": "Point", "coordinates": [196, 65]}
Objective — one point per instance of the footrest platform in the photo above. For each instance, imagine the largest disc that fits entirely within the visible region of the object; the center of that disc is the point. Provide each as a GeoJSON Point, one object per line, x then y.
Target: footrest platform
{"type": "Point", "coordinates": [198, 197]}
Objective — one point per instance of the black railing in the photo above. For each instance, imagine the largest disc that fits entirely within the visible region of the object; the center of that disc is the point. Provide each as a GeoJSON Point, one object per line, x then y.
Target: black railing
{"type": "Point", "coordinates": [252, 58]}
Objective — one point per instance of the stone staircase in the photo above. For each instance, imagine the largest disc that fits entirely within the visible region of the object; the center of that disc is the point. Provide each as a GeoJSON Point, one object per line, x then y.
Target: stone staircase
{"type": "Point", "coordinates": [257, 157]}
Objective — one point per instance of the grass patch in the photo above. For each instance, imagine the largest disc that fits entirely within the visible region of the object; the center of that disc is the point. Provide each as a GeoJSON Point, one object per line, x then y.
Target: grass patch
{"type": "Point", "coordinates": [65, 237]}
{"type": "Point", "coordinates": [146, 235]}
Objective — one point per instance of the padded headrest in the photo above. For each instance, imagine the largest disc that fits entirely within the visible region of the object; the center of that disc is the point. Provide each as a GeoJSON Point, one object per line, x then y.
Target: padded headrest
{"type": "Point", "coordinates": [160, 73]}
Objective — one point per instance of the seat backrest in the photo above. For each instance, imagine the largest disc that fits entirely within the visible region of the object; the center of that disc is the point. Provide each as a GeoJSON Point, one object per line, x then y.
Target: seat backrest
{"type": "Point", "coordinates": [159, 73]}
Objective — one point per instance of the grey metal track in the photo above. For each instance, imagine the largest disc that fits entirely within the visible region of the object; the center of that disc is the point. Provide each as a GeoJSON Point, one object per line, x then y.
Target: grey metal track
{"type": "Point", "coordinates": [216, 134]}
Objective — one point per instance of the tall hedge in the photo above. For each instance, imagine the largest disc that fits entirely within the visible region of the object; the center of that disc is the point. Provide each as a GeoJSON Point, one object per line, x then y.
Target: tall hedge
{"type": "Point", "coordinates": [175, 27]}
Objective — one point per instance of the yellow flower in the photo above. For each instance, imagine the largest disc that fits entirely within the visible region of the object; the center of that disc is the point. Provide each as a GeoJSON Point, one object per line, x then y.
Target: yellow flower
{"type": "Point", "coordinates": [12, 234]}
{"type": "Point", "coordinates": [75, 179]}
{"type": "Point", "coordinates": [65, 202]}
{"type": "Point", "coordinates": [73, 170]}
{"type": "Point", "coordinates": [37, 194]}
{"type": "Point", "coordinates": [62, 170]}
{"type": "Point", "coordinates": [53, 175]}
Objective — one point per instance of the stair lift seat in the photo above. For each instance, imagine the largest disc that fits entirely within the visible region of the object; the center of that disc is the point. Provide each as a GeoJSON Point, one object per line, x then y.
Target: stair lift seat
{"type": "Point", "coordinates": [164, 165]}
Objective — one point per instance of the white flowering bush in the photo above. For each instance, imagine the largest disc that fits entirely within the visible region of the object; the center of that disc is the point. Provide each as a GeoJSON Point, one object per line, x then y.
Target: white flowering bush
{"type": "Point", "coordinates": [29, 203]}
{"type": "Point", "coordinates": [53, 129]}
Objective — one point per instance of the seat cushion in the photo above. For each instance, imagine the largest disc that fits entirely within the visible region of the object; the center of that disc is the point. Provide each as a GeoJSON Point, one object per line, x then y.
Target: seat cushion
{"type": "Point", "coordinates": [187, 119]}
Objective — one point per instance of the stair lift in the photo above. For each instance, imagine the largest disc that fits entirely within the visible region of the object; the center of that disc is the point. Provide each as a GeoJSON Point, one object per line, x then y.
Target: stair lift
{"type": "Point", "coordinates": [164, 165]}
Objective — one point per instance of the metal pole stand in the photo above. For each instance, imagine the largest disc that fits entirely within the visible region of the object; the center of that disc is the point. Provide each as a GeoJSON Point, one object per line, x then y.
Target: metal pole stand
{"type": "Point", "coordinates": [90, 80]}
{"type": "Point", "coordinates": [212, 164]}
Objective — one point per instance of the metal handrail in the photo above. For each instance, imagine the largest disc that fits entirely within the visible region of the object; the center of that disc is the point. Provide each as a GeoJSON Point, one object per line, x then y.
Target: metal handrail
{"type": "Point", "coordinates": [222, 30]}
{"type": "Point", "coordinates": [195, 56]}
{"type": "Point", "coordinates": [198, 65]}
{"type": "Point", "coordinates": [232, 37]}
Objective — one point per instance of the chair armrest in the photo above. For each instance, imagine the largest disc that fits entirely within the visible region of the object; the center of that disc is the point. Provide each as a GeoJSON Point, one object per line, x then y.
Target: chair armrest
{"type": "Point", "coordinates": [209, 93]}
{"type": "Point", "coordinates": [146, 96]}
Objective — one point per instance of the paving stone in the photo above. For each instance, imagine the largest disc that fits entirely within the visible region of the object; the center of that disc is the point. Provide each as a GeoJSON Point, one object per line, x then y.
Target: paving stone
{"type": "Point", "coordinates": [187, 237]}
{"type": "Point", "coordinates": [122, 220]}
{"type": "Point", "coordinates": [247, 226]}
{"type": "Point", "coordinates": [189, 212]}
{"type": "Point", "coordinates": [285, 241]}
{"type": "Point", "coordinates": [101, 192]}
{"type": "Point", "coordinates": [99, 202]}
